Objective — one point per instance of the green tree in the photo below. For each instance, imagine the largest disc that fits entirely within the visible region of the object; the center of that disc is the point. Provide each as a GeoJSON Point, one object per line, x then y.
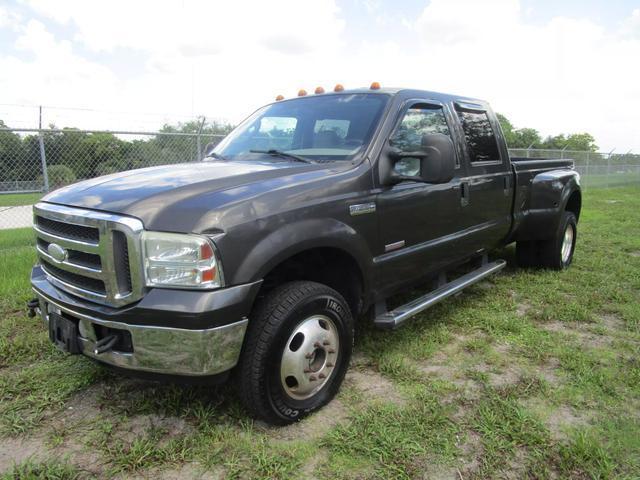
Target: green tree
{"type": "Point", "coordinates": [518, 138]}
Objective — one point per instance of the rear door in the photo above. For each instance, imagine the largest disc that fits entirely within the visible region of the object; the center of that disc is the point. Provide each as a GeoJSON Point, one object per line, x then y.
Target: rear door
{"type": "Point", "coordinates": [487, 189]}
{"type": "Point", "coordinates": [418, 221]}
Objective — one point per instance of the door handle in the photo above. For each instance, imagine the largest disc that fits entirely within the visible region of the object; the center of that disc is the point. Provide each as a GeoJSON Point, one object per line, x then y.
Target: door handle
{"type": "Point", "coordinates": [464, 193]}
{"type": "Point", "coordinates": [506, 185]}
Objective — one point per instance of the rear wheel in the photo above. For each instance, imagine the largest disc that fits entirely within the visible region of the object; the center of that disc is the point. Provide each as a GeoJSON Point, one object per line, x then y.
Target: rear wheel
{"type": "Point", "coordinates": [296, 353]}
{"type": "Point", "coordinates": [557, 252]}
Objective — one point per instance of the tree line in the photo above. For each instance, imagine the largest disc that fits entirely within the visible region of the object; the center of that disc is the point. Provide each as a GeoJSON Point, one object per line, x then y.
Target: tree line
{"type": "Point", "coordinates": [531, 138]}
{"type": "Point", "coordinates": [74, 155]}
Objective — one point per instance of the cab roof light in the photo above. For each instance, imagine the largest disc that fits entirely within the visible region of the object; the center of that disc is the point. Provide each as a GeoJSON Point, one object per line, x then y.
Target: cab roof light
{"type": "Point", "coordinates": [319, 90]}
{"type": "Point", "coordinates": [302, 92]}
{"type": "Point", "coordinates": [338, 87]}
{"type": "Point", "coordinates": [375, 86]}
{"type": "Point", "coordinates": [279, 97]}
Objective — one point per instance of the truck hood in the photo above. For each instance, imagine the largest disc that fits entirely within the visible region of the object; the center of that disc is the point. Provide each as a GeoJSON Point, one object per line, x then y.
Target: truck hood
{"type": "Point", "coordinates": [177, 197]}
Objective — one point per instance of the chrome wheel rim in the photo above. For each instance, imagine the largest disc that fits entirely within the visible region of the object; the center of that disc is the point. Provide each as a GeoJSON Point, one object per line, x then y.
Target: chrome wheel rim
{"type": "Point", "coordinates": [567, 244]}
{"type": "Point", "coordinates": [309, 357]}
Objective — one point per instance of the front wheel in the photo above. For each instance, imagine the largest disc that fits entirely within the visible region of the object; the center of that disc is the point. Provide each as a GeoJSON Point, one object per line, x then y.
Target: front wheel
{"type": "Point", "coordinates": [296, 353]}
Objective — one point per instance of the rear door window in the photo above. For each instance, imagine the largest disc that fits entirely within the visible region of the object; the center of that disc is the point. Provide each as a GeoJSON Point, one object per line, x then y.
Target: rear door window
{"type": "Point", "coordinates": [481, 141]}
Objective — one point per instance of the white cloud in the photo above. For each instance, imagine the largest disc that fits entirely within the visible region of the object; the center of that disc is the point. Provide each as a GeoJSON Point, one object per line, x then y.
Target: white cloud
{"type": "Point", "coordinates": [224, 59]}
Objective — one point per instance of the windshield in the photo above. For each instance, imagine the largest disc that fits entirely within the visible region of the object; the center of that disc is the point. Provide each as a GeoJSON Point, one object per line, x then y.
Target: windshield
{"type": "Point", "coordinates": [319, 128]}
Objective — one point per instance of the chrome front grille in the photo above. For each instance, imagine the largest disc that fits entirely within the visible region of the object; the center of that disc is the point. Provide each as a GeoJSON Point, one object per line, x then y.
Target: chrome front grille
{"type": "Point", "coordinates": [100, 258]}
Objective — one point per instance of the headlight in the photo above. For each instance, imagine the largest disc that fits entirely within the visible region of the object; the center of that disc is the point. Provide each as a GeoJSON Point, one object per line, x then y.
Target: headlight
{"type": "Point", "coordinates": [180, 260]}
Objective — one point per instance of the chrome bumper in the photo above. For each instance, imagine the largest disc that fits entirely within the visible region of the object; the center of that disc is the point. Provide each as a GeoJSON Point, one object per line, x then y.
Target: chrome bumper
{"type": "Point", "coordinates": [173, 351]}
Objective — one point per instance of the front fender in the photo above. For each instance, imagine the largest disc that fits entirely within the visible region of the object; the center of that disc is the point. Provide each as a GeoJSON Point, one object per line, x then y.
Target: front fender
{"type": "Point", "coordinates": [297, 237]}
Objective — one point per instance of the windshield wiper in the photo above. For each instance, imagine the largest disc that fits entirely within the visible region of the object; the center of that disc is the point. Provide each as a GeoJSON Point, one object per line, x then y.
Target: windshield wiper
{"type": "Point", "coordinates": [215, 155]}
{"type": "Point", "coordinates": [279, 153]}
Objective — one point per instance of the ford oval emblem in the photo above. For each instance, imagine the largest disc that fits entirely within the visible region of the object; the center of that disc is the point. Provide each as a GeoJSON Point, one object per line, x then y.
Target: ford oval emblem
{"type": "Point", "coordinates": [56, 252]}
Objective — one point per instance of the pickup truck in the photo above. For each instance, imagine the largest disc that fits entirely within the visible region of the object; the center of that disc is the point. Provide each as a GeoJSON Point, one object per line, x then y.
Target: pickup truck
{"type": "Point", "coordinates": [255, 262]}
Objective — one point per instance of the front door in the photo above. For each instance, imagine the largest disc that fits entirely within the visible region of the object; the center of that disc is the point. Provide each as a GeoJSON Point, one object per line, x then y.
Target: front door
{"type": "Point", "coordinates": [418, 221]}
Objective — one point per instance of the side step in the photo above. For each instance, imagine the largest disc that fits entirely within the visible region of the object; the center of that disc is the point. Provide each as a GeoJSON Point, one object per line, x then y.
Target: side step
{"type": "Point", "coordinates": [395, 318]}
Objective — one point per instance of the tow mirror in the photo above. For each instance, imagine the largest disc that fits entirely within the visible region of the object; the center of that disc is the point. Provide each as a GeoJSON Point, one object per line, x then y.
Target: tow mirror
{"type": "Point", "coordinates": [209, 148]}
{"type": "Point", "coordinates": [433, 162]}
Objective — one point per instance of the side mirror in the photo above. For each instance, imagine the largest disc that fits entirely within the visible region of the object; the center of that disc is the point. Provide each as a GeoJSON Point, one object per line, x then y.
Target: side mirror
{"type": "Point", "coordinates": [433, 162]}
{"type": "Point", "coordinates": [209, 148]}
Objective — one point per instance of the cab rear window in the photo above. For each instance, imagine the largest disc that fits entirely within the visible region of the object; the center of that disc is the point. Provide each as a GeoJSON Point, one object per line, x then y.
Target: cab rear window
{"type": "Point", "coordinates": [481, 140]}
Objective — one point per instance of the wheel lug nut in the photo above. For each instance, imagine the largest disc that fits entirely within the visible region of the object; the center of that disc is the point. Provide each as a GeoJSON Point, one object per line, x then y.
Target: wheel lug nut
{"type": "Point", "coordinates": [307, 370]}
{"type": "Point", "coordinates": [317, 345]}
{"type": "Point", "coordinates": [329, 364]}
{"type": "Point", "coordinates": [312, 378]}
{"type": "Point", "coordinates": [326, 342]}
{"type": "Point", "coordinates": [331, 350]}
{"type": "Point", "coordinates": [322, 375]}
{"type": "Point", "coordinates": [309, 355]}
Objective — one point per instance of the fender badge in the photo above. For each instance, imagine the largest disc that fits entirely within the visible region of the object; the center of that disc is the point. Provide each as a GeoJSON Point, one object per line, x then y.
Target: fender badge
{"type": "Point", "coordinates": [362, 208]}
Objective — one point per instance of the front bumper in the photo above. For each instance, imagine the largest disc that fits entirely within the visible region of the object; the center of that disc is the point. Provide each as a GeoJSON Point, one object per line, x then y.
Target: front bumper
{"type": "Point", "coordinates": [158, 348]}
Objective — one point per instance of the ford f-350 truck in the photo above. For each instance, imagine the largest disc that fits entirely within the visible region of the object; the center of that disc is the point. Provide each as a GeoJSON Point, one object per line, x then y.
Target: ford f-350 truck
{"type": "Point", "coordinates": [313, 212]}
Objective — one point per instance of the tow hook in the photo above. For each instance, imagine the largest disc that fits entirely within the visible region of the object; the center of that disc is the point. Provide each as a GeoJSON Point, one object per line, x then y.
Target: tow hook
{"type": "Point", "coordinates": [105, 344]}
{"type": "Point", "coordinates": [33, 305]}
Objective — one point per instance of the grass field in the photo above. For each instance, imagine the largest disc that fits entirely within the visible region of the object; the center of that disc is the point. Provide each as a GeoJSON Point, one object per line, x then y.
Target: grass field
{"type": "Point", "coordinates": [529, 374]}
{"type": "Point", "coordinates": [15, 199]}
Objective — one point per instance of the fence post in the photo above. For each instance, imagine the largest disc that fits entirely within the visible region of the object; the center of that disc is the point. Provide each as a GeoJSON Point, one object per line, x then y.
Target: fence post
{"type": "Point", "coordinates": [198, 140]}
{"type": "Point", "coordinates": [586, 171]}
{"type": "Point", "coordinates": [609, 165]}
{"type": "Point", "coordinates": [43, 161]}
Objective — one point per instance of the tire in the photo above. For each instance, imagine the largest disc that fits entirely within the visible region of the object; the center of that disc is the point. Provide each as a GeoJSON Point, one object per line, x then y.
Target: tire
{"type": "Point", "coordinates": [299, 332]}
{"type": "Point", "coordinates": [557, 252]}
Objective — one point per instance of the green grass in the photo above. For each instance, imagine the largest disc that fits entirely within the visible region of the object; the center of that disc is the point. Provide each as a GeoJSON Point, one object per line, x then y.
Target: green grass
{"type": "Point", "coordinates": [532, 374]}
{"type": "Point", "coordinates": [14, 199]}
{"type": "Point", "coordinates": [47, 470]}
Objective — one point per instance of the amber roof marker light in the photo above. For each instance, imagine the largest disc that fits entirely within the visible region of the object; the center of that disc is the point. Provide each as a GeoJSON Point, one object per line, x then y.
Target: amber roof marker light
{"type": "Point", "coordinates": [338, 87]}
{"type": "Point", "coordinates": [302, 92]}
{"type": "Point", "coordinates": [279, 97]}
{"type": "Point", "coordinates": [319, 90]}
{"type": "Point", "coordinates": [375, 86]}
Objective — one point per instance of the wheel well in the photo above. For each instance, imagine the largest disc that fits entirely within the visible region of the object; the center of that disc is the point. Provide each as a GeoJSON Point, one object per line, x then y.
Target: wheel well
{"type": "Point", "coordinates": [574, 204]}
{"type": "Point", "coordinates": [330, 266]}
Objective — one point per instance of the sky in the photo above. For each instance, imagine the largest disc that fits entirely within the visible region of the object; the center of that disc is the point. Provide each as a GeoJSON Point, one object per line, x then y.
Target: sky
{"type": "Point", "coordinates": [557, 66]}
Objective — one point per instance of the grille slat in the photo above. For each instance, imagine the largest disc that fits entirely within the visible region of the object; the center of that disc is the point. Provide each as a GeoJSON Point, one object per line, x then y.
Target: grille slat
{"type": "Point", "coordinates": [68, 230]}
{"type": "Point", "coordinates": [79, 281]}
{"type": "Point", "coordinates": [77, 257]}
{"type": "Point", "coordinates": [98, 263]}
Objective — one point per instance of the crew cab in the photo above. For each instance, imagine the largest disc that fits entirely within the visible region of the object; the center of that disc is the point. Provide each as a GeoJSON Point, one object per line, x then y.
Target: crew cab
{"type": "Point", "coordinates": [256, 262]}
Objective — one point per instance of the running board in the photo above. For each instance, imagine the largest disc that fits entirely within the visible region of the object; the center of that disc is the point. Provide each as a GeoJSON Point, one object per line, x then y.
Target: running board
{"type": "Point", "coordinates": [395, 318]}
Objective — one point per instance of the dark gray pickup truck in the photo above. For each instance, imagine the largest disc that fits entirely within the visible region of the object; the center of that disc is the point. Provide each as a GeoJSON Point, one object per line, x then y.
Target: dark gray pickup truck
{"type": "Point", "coordinates": [313, 212]}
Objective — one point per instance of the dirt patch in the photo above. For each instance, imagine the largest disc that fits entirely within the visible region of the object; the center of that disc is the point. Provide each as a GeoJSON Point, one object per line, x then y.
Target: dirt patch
{"type": "Point", "coordinates": [314, 426]}
{"type": "Point", "coordinates": [17, 450]}
{"type": "Point", "coordinates": [579, 332]}
{"type": "Point", "coordinates": [471, 452]}
{"type": "Point", "coordinates": [549, 371]}
{"type": "Point", "coordinates": [192, 470]}
{"type": "Point", "coordinates": [374, 386]}
{"type": "Point", "coordinates": [612, 322]}
{"type": "Point", "coordinates": [564, 418]}
{"type": "Point", "coordinates": [468, 388]}
{"type": "Point", "coordinates": [139, 425]}
{"type": "Point", "coordinates": [635, 254]}
{"type": "Point", "coordinates": [523, 308]}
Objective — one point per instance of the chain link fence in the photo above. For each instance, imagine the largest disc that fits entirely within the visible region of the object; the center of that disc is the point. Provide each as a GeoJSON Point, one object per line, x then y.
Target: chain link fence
{"type": "Point", "coordinates": [36, 161]}
{"type": "Point", "coordinates": [597, 169]}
